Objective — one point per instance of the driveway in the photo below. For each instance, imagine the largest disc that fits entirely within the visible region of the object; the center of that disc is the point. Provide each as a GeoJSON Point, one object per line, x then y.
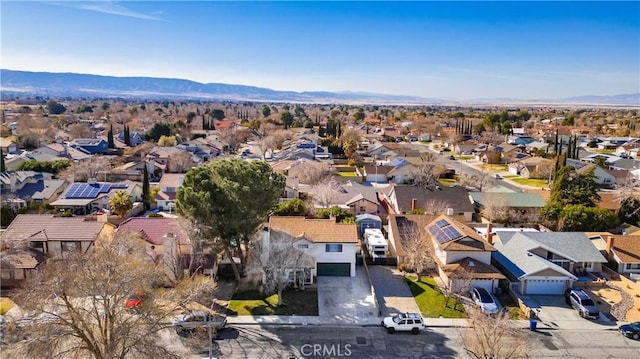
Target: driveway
{"type": "Point", "coordinates": [554, 312]}
{"type": "Point", "coordinates": [392, 292]}
{"type": "Point", "coordinates": [346, 300]}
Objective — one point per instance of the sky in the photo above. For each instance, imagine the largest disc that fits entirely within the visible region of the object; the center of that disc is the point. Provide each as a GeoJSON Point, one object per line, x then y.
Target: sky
{"type": "Point", "coordinates": [451, 50]}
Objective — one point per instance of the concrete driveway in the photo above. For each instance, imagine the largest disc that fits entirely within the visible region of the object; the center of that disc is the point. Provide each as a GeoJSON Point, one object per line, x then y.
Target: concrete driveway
{"type": "Point", "coordinates": [392, 292]}
{"type": "Point", "coordinates": [347, 300]}
{"type": "Point", "coordinates": [554, 312]}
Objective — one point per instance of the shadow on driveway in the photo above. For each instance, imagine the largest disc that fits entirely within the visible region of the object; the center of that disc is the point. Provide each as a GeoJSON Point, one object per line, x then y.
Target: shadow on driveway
{"type": "Point", "coordinates": [392, 292]}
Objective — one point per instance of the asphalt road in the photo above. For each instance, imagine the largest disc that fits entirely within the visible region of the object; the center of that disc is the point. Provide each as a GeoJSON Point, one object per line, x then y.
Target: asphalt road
{"type": "Point", "coordinates": [252, 341]}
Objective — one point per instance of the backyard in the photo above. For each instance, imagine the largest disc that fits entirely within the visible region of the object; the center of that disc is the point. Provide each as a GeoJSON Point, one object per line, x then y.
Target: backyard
{"type": "Point", "coordinates": [295, 302]}
{"type": "Point", "coordinates": [542, 183]}
{"type": "Point", "coordinates": [432, 302]}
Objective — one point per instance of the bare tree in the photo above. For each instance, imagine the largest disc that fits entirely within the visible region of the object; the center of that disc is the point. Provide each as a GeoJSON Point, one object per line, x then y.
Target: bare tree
{"type": "Point", "coordinates": [459, 283]}
{"type": "Point", "coordinates": [435, 207]}
{"type": "Point", "coordinates": [75, 306]}
{"type": "Point", "coordinates": [418, 249]}
{"type": "Point", "coordinates": [478, 181]}
{"type": "Point", "coordinates": [80, 130]}
{"type": "Point", "coordinates": [97, 167]}
{"type": "Point", "coordinates": [231, 137]}
{"type": "Point", "coordinates": [280, 261]}
{"type": "Point", "coordinates": [494, 207]}
{"type": "Point", "coordinates": [312, 173]}
{"type": "Point", "coordinates": [426, 174]}
{"type": "Point", "coordinates": [495, 337]}
{"type": "Point", "coordinates": [325, 193]}
{"type": "Point", "coordinates": [180, 162]}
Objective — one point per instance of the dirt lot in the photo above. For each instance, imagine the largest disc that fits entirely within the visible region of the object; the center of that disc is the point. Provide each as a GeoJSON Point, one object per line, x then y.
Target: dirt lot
{"type": "Point", "coordinates": [608, 297]}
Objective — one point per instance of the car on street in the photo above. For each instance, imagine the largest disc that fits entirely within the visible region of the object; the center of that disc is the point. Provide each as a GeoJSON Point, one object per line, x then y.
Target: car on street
{"type": "Point", "coordinates": [581, 302]}
{"type": "Point", "coordinates": [497, 176]}
{"type": "Point", "coordinates": [404, 322]}
{"type": "Point", "coordinates": [631, 330]}
{"type": "Point", "coordinates": [484, 300]}
{"type": "Point", "coordinates": [453, 158]}
{"type": "Point", "coordinates": [187, 323]}
{"type": "Point", "coordinates": [136, 299]}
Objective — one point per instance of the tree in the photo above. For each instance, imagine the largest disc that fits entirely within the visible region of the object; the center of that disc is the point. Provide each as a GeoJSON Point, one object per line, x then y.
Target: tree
{"type": "Point", "coordinates": [2, 164]}
{"type": "Point", "coordinates": [576, 217]}
{"type": "Point", "coordinates": [292, 207]}
{"type": "Point", "coordinates": [428, 171]}
{"type": "Point", "coordinates": [341, 215]}
{"type": "Point", "coordinates": [97, 167]}
{"type": "Point", "coordinates": [325, 193]}
{"type": "Point", "coordinates": [110, 138]}
{"type": "Point", "coordinates": [190, 116]}
{"type": "Point", "coordinates": [286, 118]}
{"type": "Point", "coordinates": [180, 162]}
{"type": "Point", "coordinates": [80, 130]}
{"type": "Point", "coordinates": [158, 130]}
{"type": "Point", "coordinates": [55, 166]}
{"type": "Point", "coordinates": [146, 194]}
{"type": "Point", "coordinates": [494, 337]}
{"type": "Point", "coordinates": [7, 215]}
{"type": "Point", "coordinates": [494, 207]}
{"type": "Point", "coordinates": [229, 199]}
{"type": "Point", "coordinates": [358, 116]}
{"type": "Point", "coordinates": [217, 114]}
{"type": "Point", "coordinates": [55, 108]}
{"type": "Point", "coordinates": [127, 135]}
{"type": "Point", "coordinates": [570, 187]}
{"type": "Point", "coordinates": [350, 147]}
{"type": "Point", "coordinates": [167, 141]}
{"type": "Point", "coordinates": [418, 249]}
{"type": "Point", "coordinates": [266, 111]}
{"type": "Point", "coordinates": [121, 203]}
{"type": "Point", "coordinates": [78, 311]}
{"type": "Point", "coordinates": [280, 260]}
{"type": "Point", "coordinates": [629, 211]}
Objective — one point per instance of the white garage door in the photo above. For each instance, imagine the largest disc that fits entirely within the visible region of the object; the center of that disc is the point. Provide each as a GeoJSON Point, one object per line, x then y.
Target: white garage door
{"type": "Point", "coordinates": [545, 286]}
{"type": "Point", "coordinates": [483, 283]}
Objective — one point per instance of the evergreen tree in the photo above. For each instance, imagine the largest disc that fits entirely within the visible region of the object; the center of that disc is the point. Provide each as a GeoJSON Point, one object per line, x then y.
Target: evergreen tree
{"type": "Point", "coordinates": [110, 138]}
{"type": "Point", "coordinates": [127, 136]}
{"type": "Point", "coordinates": [146, 193]}
{"type": "Point", "coordinates": [2, 165]}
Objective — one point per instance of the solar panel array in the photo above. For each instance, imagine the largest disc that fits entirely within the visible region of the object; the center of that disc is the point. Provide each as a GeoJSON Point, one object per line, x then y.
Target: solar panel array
{"type": "Point", "coordinates": [87, 190]}
{"type": "Point", "coordinates": [443, 232]}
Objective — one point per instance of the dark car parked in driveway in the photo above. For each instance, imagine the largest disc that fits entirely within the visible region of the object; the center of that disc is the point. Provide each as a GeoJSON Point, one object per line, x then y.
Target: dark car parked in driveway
{"type": "Point", "coordinates": [580, 301]}
{"type": "Point", "coordinates": [631, 330]}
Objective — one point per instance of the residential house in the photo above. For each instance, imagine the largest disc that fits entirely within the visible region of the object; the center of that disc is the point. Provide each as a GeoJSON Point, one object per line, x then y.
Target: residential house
{"type": "Point", "coordinates": [510, 207]}
{"type": "Point", "coordinates": [602, 176]}
{"type": "Point", "coordinates": [374, 173]}
{"type": "Point", "coordinates": [84, 198]}
{"type": "Point", "coordinates": [623, 250]}
{"type": "Point", "coordinates": [18, 264]}
{"type": "Point", "coordinates": [8, 146]}
{"type": "Point", "coordinates": [462, 257]}
{"type": "Point", "coordinates": [91, 145]}
{"type": "Point", "coordinates": [166, 197]}
{"type": "Point", "coordinates": [54, 151]}
{"type": "Point", "coordinates": [135, 138]}
{"type": "Point", "coordinates": [367, 220]}
{"type": "Point", "coordinates": [531, 167]}
{"type": "Point", "coordinates": [132, 171]}
{"type": "Point", "coordinates": [162, 157]}
{"type": "Point", "coordinates": [355, 197]}
{"type": "Point", "coordinates": [30, 186]}
{"type": "Point", "coordinates": [465, 148]}
{"type": "Point", "coordinates": [536, 146]}
{"type": "Point", "coordinates": [404, 199]}
{"type": "Point", "coordinates": [155, 232]}
{"type": "Point", "coordinates": [545, 262]}
{"type": "Point", "coordinates": [55, 236]}
{"type": "Point", "coordinates": [331, 245]}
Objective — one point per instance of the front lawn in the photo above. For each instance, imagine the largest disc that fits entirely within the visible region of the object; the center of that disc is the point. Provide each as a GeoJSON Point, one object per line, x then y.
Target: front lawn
{"type": "Point", "coordinates": [296, 302]}
{"type": "Point", "coordinates": [447, 182]}
{"type": "Point", "coordinates": [431, 301]}
{"type": "Point", "coordinates": [347, 174]}
{"type": "Point", "coordinates": [543, 183]}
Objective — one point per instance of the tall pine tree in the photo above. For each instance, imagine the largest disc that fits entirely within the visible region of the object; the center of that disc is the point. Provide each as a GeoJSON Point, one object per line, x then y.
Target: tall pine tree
{"type": "Point", "coordinates": [146, 193]}
{"type": "Point", "coordinates": [2, 165]}
{"type": "Point", "coordinates": [110, 138]}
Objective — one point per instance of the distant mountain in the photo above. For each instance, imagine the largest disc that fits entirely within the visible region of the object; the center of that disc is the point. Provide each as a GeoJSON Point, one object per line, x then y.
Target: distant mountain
{"type": "Point", "coordinates": [82, 85]}
{"type": "Point", "coordinates": [72, 84]}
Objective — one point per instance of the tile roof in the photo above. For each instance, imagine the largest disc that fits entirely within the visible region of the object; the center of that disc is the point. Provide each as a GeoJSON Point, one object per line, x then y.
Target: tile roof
{"type": "Point", "coordinates": [42, 227]}
{"type": "Point", "coordinates": [21, 259]}
{"type": "Point", "coordinates": [153, 229]}
{"type": "Point", "coordinates": [171, 180]}
{"type": "Point", "coordinates": [627, 248]}
{"type": "Point", "coordinates": [455, 197]}
{"type": "Point", "coordinates": [315, 230]}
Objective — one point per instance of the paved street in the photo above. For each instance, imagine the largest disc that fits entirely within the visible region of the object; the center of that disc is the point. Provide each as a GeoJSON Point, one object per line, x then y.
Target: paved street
{"type": "Point", "coordinates": [252, 341]}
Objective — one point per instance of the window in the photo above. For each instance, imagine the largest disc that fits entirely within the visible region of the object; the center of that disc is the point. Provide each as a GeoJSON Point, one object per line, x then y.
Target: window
{"type": "Point", "coordinates": [37, 245]}
{"type": "Point", "coordinates": [303, 246]}
{"type": "Point", "coordinates": [333, 248]}
{"type": "Point", "coordinates": [70, 246]}
{"type": "Point", "coordinates": [633, 265]}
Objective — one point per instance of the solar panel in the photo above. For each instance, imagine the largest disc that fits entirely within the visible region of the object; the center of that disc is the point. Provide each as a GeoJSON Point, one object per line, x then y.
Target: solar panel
{"type": "Point", "coordinates": [452, 232]}
{"type": "Point", "coordinates": [442, 223]}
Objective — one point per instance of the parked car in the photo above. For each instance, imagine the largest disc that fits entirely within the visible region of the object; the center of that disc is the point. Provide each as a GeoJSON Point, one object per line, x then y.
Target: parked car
{"type": "Point", "coordinates": [631, 330]}
{"type": "Point", "coordinates": [485, 300]}
{"type": "Point", "coordinates": [580, 301]}
{"type": "Point", "coordinates": [136, 299]}
{"type": "Point", "coordinates": [187, 323]}
{"type": "Point", "coordinates": [497, 176]}
{"type": "Point", "coordinates": [453, 158]}
{"type": "Point", "coordinates": [404, 322]}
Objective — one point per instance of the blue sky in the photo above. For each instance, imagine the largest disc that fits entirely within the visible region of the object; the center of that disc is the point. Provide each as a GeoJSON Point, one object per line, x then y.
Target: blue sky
{"type": "Point", "coordinates": [459, 50]}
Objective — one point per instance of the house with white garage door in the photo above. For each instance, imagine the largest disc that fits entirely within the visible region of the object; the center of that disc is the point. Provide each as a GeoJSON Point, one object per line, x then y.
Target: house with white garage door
{"type": "Point", "coordinates": [332, 245]}
{"type": "Point", "coordinates": [545, 263]}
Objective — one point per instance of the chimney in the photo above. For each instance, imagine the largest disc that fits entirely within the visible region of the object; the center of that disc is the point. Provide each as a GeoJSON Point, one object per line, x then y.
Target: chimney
{"type": "Point", "coordinates": [414, 204]}
{"type": "Point", "coordinates": [609, 246]}
{"type": "Point", "coordinates": [489, 237]}
{"type": "Point", "coordinates": [449, 211]}
{"type": "Point", "coordinates": [91, 180]}
{"type": "Point", "coordinates": [13, 182]}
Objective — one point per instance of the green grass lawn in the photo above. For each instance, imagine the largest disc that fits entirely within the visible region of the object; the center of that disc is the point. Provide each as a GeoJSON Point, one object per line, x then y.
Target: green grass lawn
{"type": "Point", "coordinates": [431, 301]}
{"type": "Point", "coordinates": [495, 167]}
{"type": "Point", "coordinates": [346, 174]}
{"type": "Point", "coordinates": [296, 302]}
{"type": "Point", "coordinates": [530, 182]}
{"type": "Point", "coordinates": [511, 306]}
{"type": "Point", "coordinates": [447, 182]}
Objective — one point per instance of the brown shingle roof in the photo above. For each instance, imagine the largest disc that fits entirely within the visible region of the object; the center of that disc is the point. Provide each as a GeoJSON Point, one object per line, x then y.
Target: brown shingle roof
{"type": "Point", "coordinates": [38, 227]}
{"type": "Point", "coordinates": [21, 259]}
{"type": "Point", "coordinates": [474, 267]}
{"type": "Point", "coordinates": [469, 240]}
{"type": "Point", "coordinates": [315, 230]}
{"type": "Point", "coordinates": [627, 248]}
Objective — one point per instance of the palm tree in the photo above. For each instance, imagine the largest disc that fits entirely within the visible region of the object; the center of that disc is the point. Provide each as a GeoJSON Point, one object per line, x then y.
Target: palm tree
{"type": "Point", "coordinates": [121, 203]}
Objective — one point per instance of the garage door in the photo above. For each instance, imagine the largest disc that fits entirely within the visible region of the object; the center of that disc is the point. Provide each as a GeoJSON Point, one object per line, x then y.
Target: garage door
{"type": "Point", "coordinates": [483, 283]}
{"type": "Point", "coordinates": [545, 286]}
{"type": "Point", "coordinates": [334, 269]}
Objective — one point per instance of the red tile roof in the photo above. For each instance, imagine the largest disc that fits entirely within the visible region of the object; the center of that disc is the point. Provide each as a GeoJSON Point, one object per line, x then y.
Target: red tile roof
{"type": "Point", "coordinates": [153, 229]}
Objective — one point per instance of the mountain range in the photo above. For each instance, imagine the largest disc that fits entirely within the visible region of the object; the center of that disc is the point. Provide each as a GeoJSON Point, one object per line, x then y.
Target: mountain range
{"type": "Point", "coordinates": [84, 85]}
